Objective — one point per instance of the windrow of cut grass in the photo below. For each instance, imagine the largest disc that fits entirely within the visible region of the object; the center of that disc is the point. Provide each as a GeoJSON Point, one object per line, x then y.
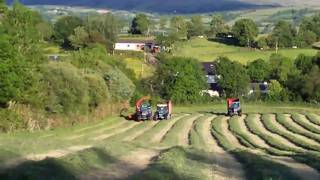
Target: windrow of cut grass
{"type": "Point", "coordinates": [273, 126]}
{"type": "Point", "coordinates": [241, 131]}
{"type": "Point", "coordinates": [256, 127]}
{"type": "Point", "coordinates": [155, 134]}
{"type": "Point", "coordinates": [303, 121]}
{"type": "Point", "coordinates": [255, 166]}
{"type": "Point", "coordinates": [286, 121]}
{"type": "Point", "coordinates": [180, 132]}
{"type": "Point", "coordinates": [315, 119]}
{"type": "Point", "coordinates": [195, 136]}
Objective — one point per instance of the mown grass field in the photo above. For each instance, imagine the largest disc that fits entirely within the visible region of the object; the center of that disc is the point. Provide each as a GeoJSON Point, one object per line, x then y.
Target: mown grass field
{"type": "Point", "coordinates": [205, 50]}
{"type": "Point", "coordinates": [267, 142]}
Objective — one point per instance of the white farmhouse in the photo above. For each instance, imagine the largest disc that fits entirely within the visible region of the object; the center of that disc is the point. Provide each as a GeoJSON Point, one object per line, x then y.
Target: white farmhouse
{"type": "Point", "coordinates": [134, 45]}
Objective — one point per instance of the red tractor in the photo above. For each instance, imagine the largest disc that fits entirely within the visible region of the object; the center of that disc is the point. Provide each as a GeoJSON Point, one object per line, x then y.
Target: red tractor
{"type": "Point", "coordinates": [234, 107]}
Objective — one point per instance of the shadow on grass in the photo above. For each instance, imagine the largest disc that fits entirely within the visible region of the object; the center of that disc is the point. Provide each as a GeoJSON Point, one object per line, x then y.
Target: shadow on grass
{"type": "Point", "coordinates": [259, 167]}
{"type": "Point", "coordinates": [311, 159]}
{"type": "Point", "coordinates": [68, 167]}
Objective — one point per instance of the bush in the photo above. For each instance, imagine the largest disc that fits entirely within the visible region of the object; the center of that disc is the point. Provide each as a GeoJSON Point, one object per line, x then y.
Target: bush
{"type": "Point", "coordinates": [10, 121]}
{"type": "Point", "coordinates": [98, 90]}
{"type": "Point", "coordinates": [65, 91]}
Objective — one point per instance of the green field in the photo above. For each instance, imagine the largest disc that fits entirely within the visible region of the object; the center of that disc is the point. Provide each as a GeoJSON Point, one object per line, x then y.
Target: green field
{"type": "Point", "coordinates": [205, 50]}
{"type": "Point", "coordinates": [198, 143]}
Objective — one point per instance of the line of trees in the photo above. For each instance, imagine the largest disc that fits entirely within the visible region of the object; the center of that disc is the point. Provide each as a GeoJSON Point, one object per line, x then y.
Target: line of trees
{"type": "Point", "coordinates": [244, 31]}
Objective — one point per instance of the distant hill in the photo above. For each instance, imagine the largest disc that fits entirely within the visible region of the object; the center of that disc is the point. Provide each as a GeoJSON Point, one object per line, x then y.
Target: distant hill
{"type": "Point", "coordinates": [160, 6]}
{"type": "Point", "coordinates": [285, 2]}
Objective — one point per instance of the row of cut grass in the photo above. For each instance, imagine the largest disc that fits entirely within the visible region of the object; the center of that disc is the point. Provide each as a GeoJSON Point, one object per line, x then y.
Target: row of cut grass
{"type": "Point", "coordinates": [255, 166]}
{"type": "Point", "coordinates": [145, 138]}
{"type": "Point", "coordinates": [302, 121]}
{"type": "Point", "coordinates": [298, 141]}
{"type": "Point", "coordinates": [269, 139]}
{"type": "Point", "coordinates": [196, 139]}
{"type": "Point", "coordinates": [172, 137]}
{"type": "Point", "coordinates": [314, 119]}
{"type": "Point", "coordinates": [282, 119]}
{"type": "Point", "coordinates": [246, 138]}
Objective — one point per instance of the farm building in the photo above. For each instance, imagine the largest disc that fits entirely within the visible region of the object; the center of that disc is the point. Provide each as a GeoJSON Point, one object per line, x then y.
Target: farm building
{"type": "Point", "coordinates": [136, 45]}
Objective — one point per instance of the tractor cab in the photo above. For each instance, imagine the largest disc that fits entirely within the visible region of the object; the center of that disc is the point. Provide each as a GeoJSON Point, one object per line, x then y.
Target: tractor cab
{"type": "Point", "coordinates": [145, 112]}
{"type": "Point", "coordinates": [234, 107]}
{"type": "Point", "coordinates": [163, 111]}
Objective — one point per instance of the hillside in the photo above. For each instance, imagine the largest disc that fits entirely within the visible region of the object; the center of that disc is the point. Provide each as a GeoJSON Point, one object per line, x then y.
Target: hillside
{"type": "Point", "coordinates": [163, 6]}
{"type": "Point", "coordinates": [286, 2]}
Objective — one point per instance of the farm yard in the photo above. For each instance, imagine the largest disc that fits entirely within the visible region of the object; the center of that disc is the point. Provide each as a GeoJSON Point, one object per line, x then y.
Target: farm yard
{"type": "Point", "coordinates": [283, 143]}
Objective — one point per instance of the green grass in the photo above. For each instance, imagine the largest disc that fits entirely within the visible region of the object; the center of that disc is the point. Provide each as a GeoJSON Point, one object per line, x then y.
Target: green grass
{"type": "Point", "coordinates": [249, 107]}
{"type": "Point", "coordinates": [255, 166]}
{"type": "Point", "coordinates": [205, 50]}
{"type": "Point", "coordinates": [141, 69]}
{"type": "Point", "coordinates": [303, 121]}
{"type": "Point", "coordinates": [315, 119]}
{"type": "Point", "coordinates": [282, 119]}
{"type": "Point", "coordinates": [268, 123]}
{"type": "Point", "coordinates": [145, 138]}
{"type": "Point", "coordinates": [177, 163]}
{"type": "Point", "coordinates": [245, 138]}
{"type": "Point", "coordinates": [172, 137]}
{"type": "Point", "coordinates": [196, 139]}
{"type": "Point", "coordinates": [270, 140]}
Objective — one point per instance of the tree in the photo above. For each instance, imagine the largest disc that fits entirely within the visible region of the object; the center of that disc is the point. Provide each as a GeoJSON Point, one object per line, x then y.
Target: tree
{"type": "Point", "coordinates": [306, 38]}
{"type": "Point", "coordinates": [103, 30]}
{"type": "Point", "coordinates": [245, 31]}
{"type": "Point", "coordinates": [304, 63]}
{"type": "Point", "coordinates": [64, 27]}
{"type": "Point", "coordinates": [217, 26]}
{"type": "Point", "coordinates": [46, 30]}
{"type": "Point", "coordinates": [14, 74]}
{"type": "Point", "coordinates": [311, 24]}
{"type": "Point", "coordinates": [140, 24]}
{"type": "Point", "coordinates": [3, 7]}
{"type": "Point", "coordinates": [80, 38]}
{"type": "Point", "coordinates": [195, 27]}
{"type": "Point", "coordinates": [179, 26]}
{"type": "Point", "coordinates": [282, 67]}
{"type": "Point", "coordinates": [274, 90]}
{"type": "Point", "coordinates": [262, 43]}
{"type": "Point", "coordinates": [167, 41]}
{"type": "Point", "coordinates": [233, 77]}
{"type": "Point", "coordinates": [259, 70]}
{"type": "Point", "coordinates": [162, 23]}
{"type": "Point", "coordinates": [311, 89]}
{"type": "Point", "coordinates": [283, 35]}
{"type": "Point", "coordinates": [180, 79]}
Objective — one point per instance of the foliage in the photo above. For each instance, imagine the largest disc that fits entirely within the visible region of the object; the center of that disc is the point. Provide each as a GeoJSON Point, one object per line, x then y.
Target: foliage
{"type": "Point", "coordinates": [10, 121]}
{"type": "Point", "coordinates": [64, 91]}
{"type": "Point", "coordinates": [140, 24]}
{"type": "Point", "coordinates": [103, 29]}
{"type": "Point", "coordinates": [179, 26]}
{"type": "Point", "coordinates": [64, 27]}
{"type": "Point", "coordinates": [233, 77]}
{"type": "Point", "coordinates": [245, 30]}
{"type": "Point", "coordinates": [283, 35]}
{"type": "Point", "coordinates": [282, 67]}
{"type": "Point", "coordinates": [217, 26]}
{"type": "Point", "coordinates": [259, 70]}
{"type": "Point", "coordinates": [195, 27]}
{"type": "Point", "coordinates": [180, 79]}
{"type": "Point", "coordinates": [80, 38]}
{"type": "Point", "coordinates": [275, 90]}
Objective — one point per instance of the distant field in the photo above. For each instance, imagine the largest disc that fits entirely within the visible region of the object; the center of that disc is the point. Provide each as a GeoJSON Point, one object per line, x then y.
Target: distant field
{"type": "Point", "coordinates": [205, 50]}
{"type": "Point", "coordinates": [141, 69]}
